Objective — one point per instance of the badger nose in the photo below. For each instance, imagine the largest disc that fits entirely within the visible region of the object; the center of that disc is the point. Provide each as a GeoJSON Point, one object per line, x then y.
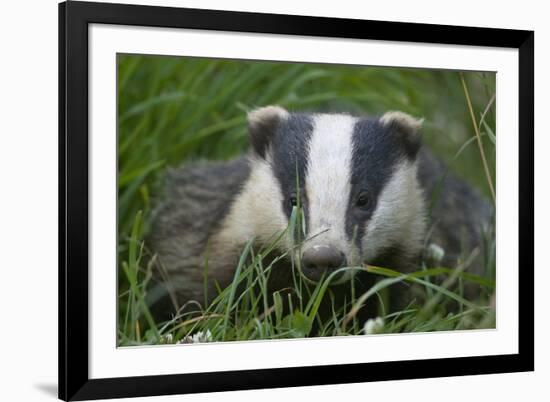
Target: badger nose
{"type": "Point", "coordinates": [321, 259]}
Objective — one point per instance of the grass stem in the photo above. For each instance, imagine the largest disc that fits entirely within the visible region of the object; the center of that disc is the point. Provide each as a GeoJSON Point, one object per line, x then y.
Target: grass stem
{"type": "Point", "coordinates": [478, 135]}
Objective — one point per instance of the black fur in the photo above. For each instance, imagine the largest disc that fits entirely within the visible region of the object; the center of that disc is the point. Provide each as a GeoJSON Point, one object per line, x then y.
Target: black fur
{"type": "Point", "coordinates": [407, 137]}
{"type": "Point", "coordinates": [261, 133]}
{"type": "Point", "coordinates": [289, 152]}
{"type": "Point", "coordinates": [377, 149]}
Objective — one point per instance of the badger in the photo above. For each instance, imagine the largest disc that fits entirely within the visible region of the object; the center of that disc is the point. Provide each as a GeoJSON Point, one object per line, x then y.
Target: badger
{"type": "Point", "coordinates": [365, 186]}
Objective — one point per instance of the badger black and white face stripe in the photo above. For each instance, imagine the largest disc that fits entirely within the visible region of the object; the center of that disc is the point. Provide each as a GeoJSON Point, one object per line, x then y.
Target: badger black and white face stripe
{"type": "Point", "coordinates": [328, 181]}
{"type": "Point", "coordinates": [357, 178]}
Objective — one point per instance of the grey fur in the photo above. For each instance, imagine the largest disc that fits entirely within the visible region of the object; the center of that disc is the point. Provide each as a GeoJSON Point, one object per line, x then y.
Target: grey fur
{"type": "Point", "coordinates": [196, 199]}
{"type": "Point", "coordinates": [460, 216]}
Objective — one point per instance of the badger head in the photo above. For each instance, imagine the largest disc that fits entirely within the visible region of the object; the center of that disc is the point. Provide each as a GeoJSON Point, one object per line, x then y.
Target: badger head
{"type": "Point", "coordinates": [354, 178]}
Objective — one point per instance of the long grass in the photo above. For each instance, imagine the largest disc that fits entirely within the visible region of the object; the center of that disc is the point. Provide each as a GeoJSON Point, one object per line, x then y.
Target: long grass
{"type": "Point", "coordinates": [171, 110]}
{"type": "Point", "coordinates": [253, 313]}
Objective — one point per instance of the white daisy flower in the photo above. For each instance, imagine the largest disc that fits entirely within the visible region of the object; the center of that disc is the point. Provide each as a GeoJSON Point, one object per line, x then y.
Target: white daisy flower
{"type": "Point", "coordinates": [374, 326]}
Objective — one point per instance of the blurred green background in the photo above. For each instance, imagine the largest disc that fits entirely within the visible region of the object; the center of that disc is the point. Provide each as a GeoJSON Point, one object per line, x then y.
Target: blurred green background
{"type": "Point", "coordinates": [172, 109]}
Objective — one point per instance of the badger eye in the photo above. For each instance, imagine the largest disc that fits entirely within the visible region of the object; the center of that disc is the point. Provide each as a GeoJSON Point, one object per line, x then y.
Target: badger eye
{"type": "Point", "coordinates": [293, 201]}
{"type": "Point", "coordinates": [363, 201]}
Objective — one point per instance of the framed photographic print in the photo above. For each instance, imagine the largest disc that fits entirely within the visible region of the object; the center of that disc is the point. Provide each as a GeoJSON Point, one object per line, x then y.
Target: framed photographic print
{"type": "Point", "coordinates": [258, 200]}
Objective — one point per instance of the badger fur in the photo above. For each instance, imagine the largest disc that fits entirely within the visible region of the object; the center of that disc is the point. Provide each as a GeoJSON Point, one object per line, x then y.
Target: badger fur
{"type": "Point", "coordinates": [365, 186]}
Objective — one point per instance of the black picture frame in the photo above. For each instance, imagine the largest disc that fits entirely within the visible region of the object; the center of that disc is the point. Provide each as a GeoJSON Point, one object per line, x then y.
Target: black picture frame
{"type": "Point", "coordinates": [74, 18]}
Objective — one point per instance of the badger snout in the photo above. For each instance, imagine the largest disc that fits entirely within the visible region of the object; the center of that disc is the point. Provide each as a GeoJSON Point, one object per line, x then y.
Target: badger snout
{"type": "Point", "coordinates": [321, 259]}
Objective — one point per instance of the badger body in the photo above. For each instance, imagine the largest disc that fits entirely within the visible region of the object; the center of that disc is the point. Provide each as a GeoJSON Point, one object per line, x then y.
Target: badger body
{"type": "Point", "coordinates": [365, 187]}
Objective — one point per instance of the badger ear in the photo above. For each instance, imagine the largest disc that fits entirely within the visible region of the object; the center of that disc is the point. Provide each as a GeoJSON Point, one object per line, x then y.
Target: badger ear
{"type": "Point", "coordinates": [406, 127]}
{"type": "Point", "coordinates": [262, 123]}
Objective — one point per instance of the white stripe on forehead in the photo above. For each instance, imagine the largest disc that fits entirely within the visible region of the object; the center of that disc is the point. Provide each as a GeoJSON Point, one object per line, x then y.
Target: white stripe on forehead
{"type": "Point", "coordinates": [329, 174]}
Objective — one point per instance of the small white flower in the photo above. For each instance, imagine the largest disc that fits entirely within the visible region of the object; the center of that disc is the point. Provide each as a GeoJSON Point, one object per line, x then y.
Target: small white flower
{"type": "Point", "coordinates": [435, 252]}
{"type": "Point", "coordinates": [167, 338]}
{"type": "Point", "coordinates": [374, 326]}
{"type": "Point", "coordinates": [199, 337]}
